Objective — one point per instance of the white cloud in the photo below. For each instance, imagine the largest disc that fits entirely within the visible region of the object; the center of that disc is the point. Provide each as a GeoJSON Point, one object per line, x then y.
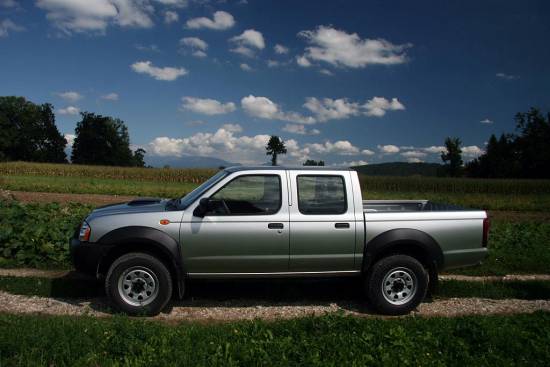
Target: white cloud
{"type": "Point", "coordinates": [174, 3]}
{"type": "Point", "coordinates": [507, 76]}
{"type": "Point", "coordinates": [8, 3]}
{"type": "Point", "coordinates": [367, 152]}
{"type": "Point", "coordinates": [472, 151]}
{"type": "Point", "coordinates": [330, 109]}
{"type": "Point", "coordinates": [150, 48]}
{"type": "Point", "coordinates": [434, 149]}
{"type": "Point", "coordinates": [378, 106]}
{"type": "Point", "coordinates": [414, 154]}
{"type": "Point", "coordinates": [388, 149]}
{"type": "Point", "coordinates": [7, 25]}
{"type": "Point", "coordinates": [70, 110]}
{"type": "Point", "coordinates": [165, 73]}
{"type": "Point", "coordinates": [96, 15]}
{"type": "Point", "coordinates": [70, 139]}
{"type": "Point", "coordinates": [414, 160]}
{"type": "Point", "coordinates": [221, 21]}
{"type": "Point", "coordinates": [199, 53]}
{"type": "Point", "coordinates": [70, 96]}
{"type": "Point", "coordinates": [300, 130]}
{"type": "Point", "coordinates": [280, 49]}
{"type": "Point", "coordinates": [273, 63]}
{"type": "Point", "coordinates": [340, 147]}
{"type": "Point", "coordinates": [245, 67]}
{"type": "Point", "coordinates": [340, 48]}
{"type": "Point", "coordinates": [246, 42]}
{"type": "Point", "coordinates": [234, 128]}
{"type": "Point", "coordinates": [170, 17]}
{"type": "Point", "coordinates": [194, 42]}
{"type": "Point", "coordinates": [326, 72]}
{"type": "Point", "coordinates": [207, 106]}
{"type": "Point", "coordinates": [264, 108]}
{"type": "Point", "coordinates": [351, 163]}
{"type": "Point", "coordinates": [110, 97]}
{"type": "Point", "coordinates": [303, 61]}
{"type": "Point", "coordinates": [486, 121]}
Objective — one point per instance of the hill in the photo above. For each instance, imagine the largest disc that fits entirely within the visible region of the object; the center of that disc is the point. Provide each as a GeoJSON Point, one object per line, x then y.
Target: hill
{"type": "Point", "coordinates": [400, 169]}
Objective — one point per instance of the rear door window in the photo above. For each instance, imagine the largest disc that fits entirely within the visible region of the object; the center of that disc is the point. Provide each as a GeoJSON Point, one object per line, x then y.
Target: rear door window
{"type": "Point", "coordinates": [321, 194]}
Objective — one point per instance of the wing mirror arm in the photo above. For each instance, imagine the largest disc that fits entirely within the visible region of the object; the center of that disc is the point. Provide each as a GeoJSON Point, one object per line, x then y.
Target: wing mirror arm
{"type": "Point", "coordinates": [203, 207]}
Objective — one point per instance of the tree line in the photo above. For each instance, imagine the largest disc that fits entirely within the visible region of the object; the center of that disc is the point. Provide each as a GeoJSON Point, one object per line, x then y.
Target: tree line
{"type": "Point", "coordinates": [28, 133]}
{"type": "Point", "coordinates": [522, 154]}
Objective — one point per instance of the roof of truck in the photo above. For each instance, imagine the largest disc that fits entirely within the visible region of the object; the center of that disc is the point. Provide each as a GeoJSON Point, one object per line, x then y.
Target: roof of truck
{"type": "Point", "coordinates": [286, 168]}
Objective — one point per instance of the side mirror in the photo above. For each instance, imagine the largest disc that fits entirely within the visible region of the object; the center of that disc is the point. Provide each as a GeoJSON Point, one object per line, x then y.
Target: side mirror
{"type": "Point", "coordinates": [203, 207]}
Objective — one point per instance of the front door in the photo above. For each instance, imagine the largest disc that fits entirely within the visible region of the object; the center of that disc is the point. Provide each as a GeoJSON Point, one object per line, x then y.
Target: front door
{"type": "Point", "coordinates": [246, 230]}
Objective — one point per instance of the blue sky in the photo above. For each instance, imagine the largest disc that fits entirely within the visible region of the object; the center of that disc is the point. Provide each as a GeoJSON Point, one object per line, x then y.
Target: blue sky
{"type": "Point", "coordinates": [346, 82]}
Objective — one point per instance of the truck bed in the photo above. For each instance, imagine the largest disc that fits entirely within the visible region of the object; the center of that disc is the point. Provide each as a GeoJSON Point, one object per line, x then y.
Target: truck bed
{"type": "Point", "coordinates": [390, 206]}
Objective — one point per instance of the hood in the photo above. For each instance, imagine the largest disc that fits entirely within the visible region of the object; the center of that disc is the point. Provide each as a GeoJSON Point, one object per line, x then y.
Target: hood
{"type": "Point", "coordinates": [139, 205]}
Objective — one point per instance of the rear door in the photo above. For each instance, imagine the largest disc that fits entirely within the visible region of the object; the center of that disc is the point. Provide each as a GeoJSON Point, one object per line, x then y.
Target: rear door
{"type": "Point", "coordinates": [246, 232]}
{"type": "Point", "coordinates": [322, 221]}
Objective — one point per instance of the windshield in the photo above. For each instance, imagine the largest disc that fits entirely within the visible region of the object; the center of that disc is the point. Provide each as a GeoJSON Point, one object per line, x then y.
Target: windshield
{"type": "Point", "coordinates": [193, 195]}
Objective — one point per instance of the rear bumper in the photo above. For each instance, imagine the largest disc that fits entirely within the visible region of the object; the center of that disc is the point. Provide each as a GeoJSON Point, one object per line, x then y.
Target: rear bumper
{"type": "Point", "coordinates": [86, 256]}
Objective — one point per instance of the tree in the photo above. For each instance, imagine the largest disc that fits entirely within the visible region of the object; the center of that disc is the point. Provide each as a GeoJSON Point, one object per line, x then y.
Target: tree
{"type": "Point", "coordinates": [139, 154]}
{"type": "Point", "coordinates": [102, 140]}
{"type": "Point", "coordinates": [311, 162]}
{"type": "Point", "coordinates": [453, 156]}
{"type": "Point", "coordinates": [274, 147]}
{"type": "Point", "coordinates": [28, 132]}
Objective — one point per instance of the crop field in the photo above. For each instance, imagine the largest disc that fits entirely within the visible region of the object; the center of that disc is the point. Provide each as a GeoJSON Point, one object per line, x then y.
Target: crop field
{"type": "Point", "coordinates": [35, 235]}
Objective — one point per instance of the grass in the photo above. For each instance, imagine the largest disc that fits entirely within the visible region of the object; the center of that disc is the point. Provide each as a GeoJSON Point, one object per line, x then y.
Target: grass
{"type": "Point", "coordinates": [520, 340]}
{"type": "Point", "coordinates": [290, 290]}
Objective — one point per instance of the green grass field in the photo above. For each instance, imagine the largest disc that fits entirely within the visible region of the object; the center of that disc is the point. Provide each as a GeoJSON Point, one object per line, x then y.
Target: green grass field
{"type": "Point", "coordinates": [520, 340]}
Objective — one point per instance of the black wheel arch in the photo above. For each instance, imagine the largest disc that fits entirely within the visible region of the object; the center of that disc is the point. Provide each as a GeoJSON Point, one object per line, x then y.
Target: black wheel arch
{"type": "Point", "coordinates": [406, 241]}
{"type": "Point", "coordinates": [143, 239]}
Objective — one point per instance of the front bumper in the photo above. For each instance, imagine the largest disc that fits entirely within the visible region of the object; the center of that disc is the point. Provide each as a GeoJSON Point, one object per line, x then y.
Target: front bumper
{"type": "Point", "coordinates": [86, 256]}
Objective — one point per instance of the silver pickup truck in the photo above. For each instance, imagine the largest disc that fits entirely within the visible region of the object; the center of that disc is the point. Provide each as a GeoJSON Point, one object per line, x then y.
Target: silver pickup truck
{"type": "Point", "coordinates": [251, 222]}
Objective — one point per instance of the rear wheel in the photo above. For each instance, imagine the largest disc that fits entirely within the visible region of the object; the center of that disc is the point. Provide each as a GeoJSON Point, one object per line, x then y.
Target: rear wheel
{"type": "Point", "coordinates": [138, 284]}
{"type": "Point", "coordinates": [396, 284]}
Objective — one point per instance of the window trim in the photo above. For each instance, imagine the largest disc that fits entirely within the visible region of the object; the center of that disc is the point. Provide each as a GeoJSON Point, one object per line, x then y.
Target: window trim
{"type": "Point", "coordinates": [310, 175]}
{"type": "Point", "coordinates": [251, 214]}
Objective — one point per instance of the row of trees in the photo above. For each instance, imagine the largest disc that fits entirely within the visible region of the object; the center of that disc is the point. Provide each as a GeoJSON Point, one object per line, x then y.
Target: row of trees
{"type": "Point", "coordinates": [524, 154]}
{"type": "Point", "coordinates": [28, 133]}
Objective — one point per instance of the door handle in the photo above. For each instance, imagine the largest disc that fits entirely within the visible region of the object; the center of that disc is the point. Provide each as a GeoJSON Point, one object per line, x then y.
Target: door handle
{"type": "Point", "coordinates": [275, 226]}
{"type": "Point", "coordinates": [341, 225]}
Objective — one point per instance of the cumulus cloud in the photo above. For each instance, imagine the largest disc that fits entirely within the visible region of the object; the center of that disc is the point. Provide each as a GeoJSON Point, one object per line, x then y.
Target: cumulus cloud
{"type": "Point", "coordinates": [280, 49]}
{"type": "Point", "coordinates": [170, 17]}
{"type": "Point", "coordinates": [234, 128]}
{"type": "Point", "coordinates": [303, 61]}
{"type": "Point", "coordinates": [96, 15]}
{"type": "Point", "coordinates": [70, 110]}
{"type": "Point", "coordinates": [300, 129]}
{"type": "Point", "coordinates": [245, 67]}
{"type": "Point", "coordinates": [378, 106]}
{"type": "Point", "coordinates": [340, 147]}
{"type": "Point", "coordinates": [264, 108]}
{"type": "Point", "coordinates": [196, 45]}
{"type": "Point", "coordinates": [221, 20]}
{"type": "Point", "coordinates": [326, 72]}
{"type": "Point", "coordinates": [247, 42]}
{"type": "Point", "coordinates": [340, 48]}
{"type": "Point", "coordinates": [70, 96]}
{"type": "Point", "coordinates": [472, 151]}
{"type": "Point", "coordinates": [388, 149]}
{"type": "Point", "coordinates": [174, 3]}
{"type": "Point", "coordinates": [165, 73]}
{"type": "Point", "coordinates": [207, 106]}
{"type": "Point", "coordinates": [110, 97]}
{"type": "Point", "coordinates": [367, 152]}
{"type": "Point", "coordinates": [351, 163]}
{"type": "Point", "coordinates": [486, 121]}
{"type": "Point", "coordinates": [70, 139]}
{"type": "Point", "coordinates": [414, 154]}
{"type": "Point", "coordinates": [507, 76]}
{"type": "Point", "coordinates": [435, 149]}
{"type": "Point", "coordinates": [6, 26]}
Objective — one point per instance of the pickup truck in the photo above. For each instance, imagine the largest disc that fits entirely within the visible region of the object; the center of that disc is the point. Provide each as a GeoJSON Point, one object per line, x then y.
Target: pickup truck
{"type": "Point", "coordinates": [269, 222]}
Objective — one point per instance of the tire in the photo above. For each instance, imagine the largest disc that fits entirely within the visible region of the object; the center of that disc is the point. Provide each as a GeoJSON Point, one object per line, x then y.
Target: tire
{"type": "Point", "coordinates": [396, 285]}
{"type": "Point", "coordinates": [138, 284]}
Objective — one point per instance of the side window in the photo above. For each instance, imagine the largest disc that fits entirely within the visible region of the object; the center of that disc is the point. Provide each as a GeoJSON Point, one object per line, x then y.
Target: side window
{"type": "Point", "coordinates": [321, 194]}
{"type": "Point", "coordinates": [248, 195]}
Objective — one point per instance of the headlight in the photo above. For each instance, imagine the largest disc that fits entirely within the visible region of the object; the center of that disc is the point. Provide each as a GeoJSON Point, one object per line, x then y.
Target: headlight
{"type": "Point", "coordinates": [85, 230]}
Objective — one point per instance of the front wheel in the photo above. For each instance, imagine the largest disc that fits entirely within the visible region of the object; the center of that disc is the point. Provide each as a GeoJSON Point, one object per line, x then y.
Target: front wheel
{"type": "Point", "coordinates": [138, 284]}
{"type": "Point", "coordinates": [396, 284]}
